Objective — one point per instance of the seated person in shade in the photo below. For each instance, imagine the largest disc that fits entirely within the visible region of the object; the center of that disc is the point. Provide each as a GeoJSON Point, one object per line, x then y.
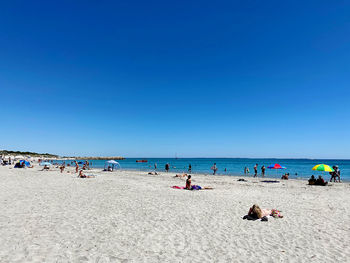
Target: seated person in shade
{"type": "Point", "coordinates": [285, 176]}
{"type": "Point", "coordinates": [312, 180]}
{"type": "Point", "coordinates": [320, 181]}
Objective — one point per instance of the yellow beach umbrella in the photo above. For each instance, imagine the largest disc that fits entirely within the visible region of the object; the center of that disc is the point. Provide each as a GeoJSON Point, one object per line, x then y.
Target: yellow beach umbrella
{"type": "Point", "coordinates": [323, 167]}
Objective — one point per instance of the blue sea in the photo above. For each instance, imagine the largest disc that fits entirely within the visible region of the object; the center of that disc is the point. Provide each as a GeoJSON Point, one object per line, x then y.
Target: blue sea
{"type": "Point", "coordinates": [297, 168]}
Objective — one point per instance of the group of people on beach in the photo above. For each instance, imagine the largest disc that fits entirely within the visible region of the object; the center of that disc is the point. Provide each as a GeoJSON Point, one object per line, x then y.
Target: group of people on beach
{"type": "Point", "coordinates": [318, 181]}
{"type": "Point", "coordinates": [263, 169]}
{"type": "Point", "coordinates": [334, 175]}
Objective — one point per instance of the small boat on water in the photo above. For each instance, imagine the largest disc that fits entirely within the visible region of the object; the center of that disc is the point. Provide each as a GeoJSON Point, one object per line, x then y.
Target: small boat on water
{"type": "Point", "coordinates": [141, 161]}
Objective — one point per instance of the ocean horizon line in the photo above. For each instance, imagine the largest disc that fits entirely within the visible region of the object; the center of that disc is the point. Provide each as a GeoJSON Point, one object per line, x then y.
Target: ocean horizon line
{"type": "Point", "coordinates": [251, 158]}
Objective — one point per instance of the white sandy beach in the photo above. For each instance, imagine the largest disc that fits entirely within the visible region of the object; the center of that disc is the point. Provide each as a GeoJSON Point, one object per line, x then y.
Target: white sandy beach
{"type": "Point", "coordinates": [128, 216]}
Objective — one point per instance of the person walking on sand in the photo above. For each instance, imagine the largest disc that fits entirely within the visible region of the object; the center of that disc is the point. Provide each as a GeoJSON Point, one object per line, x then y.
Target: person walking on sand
{"type": "Point", "coordinates": [337, 171]}
{"type": "Point", "coordinates": [190, 168]}
{"type": "Point", "coordinates": [263, 171]}
{"type": "Point", "coordinates": [167, 166]}
{"type": "Point", "coordinates": [335, 174]}
{"type": "Point", "coordinates": [214, 168]}
{"type": "Point", "coordinates": [256, 170]}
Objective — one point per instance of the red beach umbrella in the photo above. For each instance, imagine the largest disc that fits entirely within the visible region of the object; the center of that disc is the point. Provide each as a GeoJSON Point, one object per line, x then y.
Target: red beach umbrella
{"type": "Point", "coordinates": [276, 166]}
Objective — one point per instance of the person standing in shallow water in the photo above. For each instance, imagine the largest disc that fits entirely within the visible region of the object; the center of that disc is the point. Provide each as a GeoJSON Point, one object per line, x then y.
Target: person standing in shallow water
{"type": "Point", "coordinates": [256, 170]}
{"type": "Point", "coordinates": [155, 166]}
{"type": "Point", "coordinates": [167, 166]}
{"type": "Point", "coordinates": [263, 171]}
{"type": "Point", "coordinates": [189, 168]}
{"type": "Point", "coordinates": [214, 168]}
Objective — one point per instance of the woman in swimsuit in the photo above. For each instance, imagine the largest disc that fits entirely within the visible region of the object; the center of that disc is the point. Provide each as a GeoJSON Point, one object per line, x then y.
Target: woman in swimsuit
{"type": "Point", "coordinates": [188, 183]}
{"type": "Point", "coordinates": [257, 212]}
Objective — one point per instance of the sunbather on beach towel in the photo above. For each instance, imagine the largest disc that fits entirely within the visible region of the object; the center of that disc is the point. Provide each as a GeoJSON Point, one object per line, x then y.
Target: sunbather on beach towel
{"type": "Point", "coordinates": [255, 212]}
{"type": "Point", "coordinates": [189, 185]}
{"type": "Point", "coordinates": [193, 187]}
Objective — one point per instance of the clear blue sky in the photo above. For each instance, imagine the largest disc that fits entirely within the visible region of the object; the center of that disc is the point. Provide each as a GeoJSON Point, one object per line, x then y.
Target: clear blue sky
{"type": "Point", "coordinates": [196, 78]}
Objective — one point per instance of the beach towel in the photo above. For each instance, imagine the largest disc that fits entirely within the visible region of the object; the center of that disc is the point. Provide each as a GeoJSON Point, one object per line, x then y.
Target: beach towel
{"type": "Point", "coordinates": [196, 187]}
{"type": "Point", "coordinates": [193, 187]}
{"type": "Point", "coordinates": [178, 187]}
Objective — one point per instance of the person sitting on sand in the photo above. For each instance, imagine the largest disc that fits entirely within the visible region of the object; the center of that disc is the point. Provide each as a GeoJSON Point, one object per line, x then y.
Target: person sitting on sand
{"type": "Point", "coordinates": [312, 180]}
{"type": "Point", "coordinates": [255, 212]}
{"type": "Point", "coordinates": [320, 181]}
{"type": "Point", "coordinates": [285, 176]}
{"type": "Point", "coordinates": [46, 168]}
{"type": "Point", "coordinates": [81, 175]}
{"type": "Point", "coordinates": [188, 183]}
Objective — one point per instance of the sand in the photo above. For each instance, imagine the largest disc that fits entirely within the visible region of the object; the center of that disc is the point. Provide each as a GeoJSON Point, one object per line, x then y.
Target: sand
{"type": "Point", "coordinates": [129, 216]}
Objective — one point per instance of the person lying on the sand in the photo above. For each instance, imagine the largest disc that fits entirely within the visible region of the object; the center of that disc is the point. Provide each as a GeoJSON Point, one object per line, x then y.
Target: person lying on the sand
{"type": "Point", "coordinates": [81, 175]}
{"type": "Point", "coordinates": [181, 175]}
{"type": "Point", "coordinates": [153, 173]}
{"type": "Point", "coordinates": [255, 212]}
